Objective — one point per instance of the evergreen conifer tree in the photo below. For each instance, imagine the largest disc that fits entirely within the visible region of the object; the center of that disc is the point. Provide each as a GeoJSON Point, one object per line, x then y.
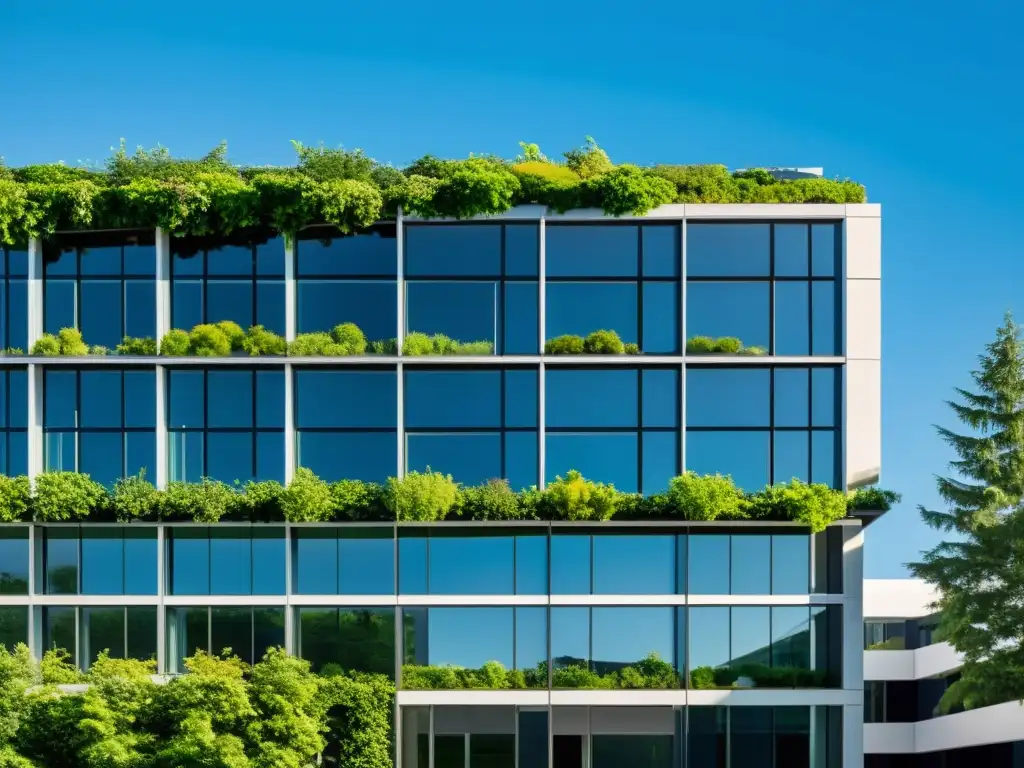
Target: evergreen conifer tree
{"type": "Point", "coordinates": [978, 569]}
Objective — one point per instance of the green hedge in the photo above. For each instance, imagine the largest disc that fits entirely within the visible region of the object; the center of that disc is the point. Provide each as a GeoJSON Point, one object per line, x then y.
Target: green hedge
{"type": "Point", "coordinates": [222, 713]}
{"type": "Point", "coordinates": [725, 345]}
{"type": "Point", "coordinates": [420, 497]}
{"type": "Point", "coordinates": [762, 675]}
{"type": "Point", "coordinates": [211, 196]}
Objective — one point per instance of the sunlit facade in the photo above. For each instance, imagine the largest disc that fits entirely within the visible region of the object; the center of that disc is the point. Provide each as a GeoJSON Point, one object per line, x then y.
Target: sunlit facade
{"type": "Point", "coordinates": [544, 600]}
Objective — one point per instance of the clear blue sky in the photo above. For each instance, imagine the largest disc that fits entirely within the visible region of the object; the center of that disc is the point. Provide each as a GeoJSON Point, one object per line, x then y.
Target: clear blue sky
{"type": "Point", "coordinates": [919, 105]}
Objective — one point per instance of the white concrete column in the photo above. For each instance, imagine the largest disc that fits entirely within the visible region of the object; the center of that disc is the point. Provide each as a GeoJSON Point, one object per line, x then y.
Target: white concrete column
{"type": "Point", "coordinates": [290, 291]}
{"type": "Point", "coordinates": [289, 423]}
{"type": "Point", "coordinates": [853, 608]}
{"type": "Point", "coordinates": [35, 420]}
{"type": "Point", "coordinates": [163, 285]}
{"type": "Point", "coordinates": [400, 280]}
{"type": "Point", "coordinates": [161, 471]}
{"type": "Point", "coordinates": [35, 292]}
{"type": "Point", "coordinates": [542, 276]}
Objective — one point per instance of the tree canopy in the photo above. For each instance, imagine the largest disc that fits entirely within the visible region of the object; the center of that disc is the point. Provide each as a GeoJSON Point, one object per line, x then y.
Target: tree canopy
{"type": "Point", "coordinates": [978, 569]}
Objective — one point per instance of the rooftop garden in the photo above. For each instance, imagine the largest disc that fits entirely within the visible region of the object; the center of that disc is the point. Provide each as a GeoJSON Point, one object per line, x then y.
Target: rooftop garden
{"type": "Point", "coordinates": [350, 190]}
{"type": "Point", "coordinates": [422, 497]}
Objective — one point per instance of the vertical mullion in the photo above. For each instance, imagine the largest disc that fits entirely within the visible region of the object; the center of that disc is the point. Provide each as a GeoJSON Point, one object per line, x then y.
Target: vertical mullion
{"type": "Point", "coordinates": [640, 430]}
{"type": "Point", "coordinates": [400, 281]}
{"type": "Point", "coordinates": [502, 388]}
{"type": "Point", "coordinates": [771, 425]}
{"type": "Point", "coordinates": [542, 270]}
{"type": "Point", "coordinates": [640, 285]}
{"type": "Point", "coordinates": [771, 289]}
{"type": "Point", "coordinates": [810, 294]}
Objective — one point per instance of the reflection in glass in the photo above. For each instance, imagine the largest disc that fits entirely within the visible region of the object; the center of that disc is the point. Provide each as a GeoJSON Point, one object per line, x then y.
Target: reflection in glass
{"type": "Point", "coordinates": [708, 564]}
{"type": "Point", "coordinates": [791, 564]}
{"type": "Point", "coordinates": [59, 630]}
{"type": "Point", "coordinates": [634, 564]}
{"type": "Point", "coordinates": [61, 561]}
{"type": "Point", "coordinates": [751, 565]}
{"type": "Point", "coordinates": [360, 639]}
{"type": "Point", "coordinates": [736, 309]}
{"type": "Point", "coordinates": [570, 564]}
{"type": "Point", "coordinates": [14, 561]}
{"type": "Point", "coordinates": [13, 625]}
{"type": "Point", "coordinates": [471, 565]}
{"type": "Point", "coordinates": [728, 250]}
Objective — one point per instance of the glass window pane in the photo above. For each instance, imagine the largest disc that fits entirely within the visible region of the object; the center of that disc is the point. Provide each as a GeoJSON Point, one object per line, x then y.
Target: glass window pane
{"type": "Point", "coordinates": [603, 250]}
{"type": "Point", "coordinates": [751, 636]}
{"type": "Point", "coordinates": [230, 260]}
{"type": "Point", "coordinates": [324, 399]}
{"type": "Point", "coordinates": [824, 396]}
{"type": "Point", "coordinates": [728, 250]}
{"type": "Point", "coordinates": [185, 456]}
{"type": "Point", "coordinates": [604, 458]}
{"type": "Point", "coordinates": [751, 565]}
{"type": "Point", "coordinates": [14, 563]}
{"type": "Point", "coordinates": [791, 564]}
{"type": "Point", "coordinates": [709, 637]}
{"type": "Point", "coordinates": [522, 319]}
{"type": "Point", "coordinates": [370, 304]}
{"type": "Point", "coordinates": [102, 561]}
{"type": "Point", "coordinates": [582, 308]}
{"type": "Point", "coordinates": [792, 397]}
{"type": "Point", "coordinates": [140, 567]}
{"type": "Point", "coordinates": [661, 250]}
{"type": "Point", "coordinates": [188, 631]}
{"type": "Point", "coordinates": [740, 310]}
{"type": "Point", "coordinates": [792, 319]}
{"type": "Point", "coordinates": [18, 417]}
{"type": "Point", "coordinates": [190, 561]}
{"type": "Point", "coordinates": [230, 457]}
{"type": "Point", "coordinates": [660, 460]}
{"type": "Point", "coordinates": [17, 458]}
{"type": "Point", "coordinates": [101, 312]}
{"type": "Point", "coordinates": [270, 257]}
{"type": "Point", "coordinates": [184, 261]}
{"type": "Point", "coordinates": [634, 564]}
{"type": "Point", "coordinates": [139, 398]}
{"type": "Point", "coordinates": [824, 247]}
{"type": "Point", "coordinates": [591, 398]}
{"type": "Point", "coordinates": [464, 311]}
{"type": "Point", "coordinates": [708, 564]}
{"type": "Point", "coordinates": [728, 397]}
{"type": "Point", "coordinates": [453, 249]}
{"type": "Point", "coordinates": [660, 398]}
{"type": "Point", "coordinates": [522, 250]}
{"type": "Point", "coordinates": [230, 561]}
{"type": "Point", "coordinates": [361, 639]}
{"type": "Point", "coordinates": [140, 453]}
{"type": "Point", "coordinates": [366, 562]}
{"type": "Point", "coordinates": [443, 399]}
{"type": "Point", "coordinates": [531, 565]}
{"type": "Point", "coordinates": [368, 456]}
{"type": "Point", "coordinates": [521, 460]}
{"type": "Point", "coordinates": [61, 561]}
{"type": "Point", "coordinates": [101, 456]}
{"type": "Point", "coordinates": [59, 630]}
{"type": "Point", "coordinates": [60, 451]}
{"type": "Point", "coordinates": [267, 630]}
{"type": "Point", "coordinates": [141, 630]}
{"type": "Point", "coordinates": [103, 629]}
{"type": "Point", "coordinates": [60, 303]}
{"type": "Point", "coordinates": [521, 398]}
{"type": "Point", "coordinates": [824, 325]}
{"type": "Point", "coordinates": [651, 631]}
{"type": "Point", "coordinates": [268, 555]}
{"type": "Point", "coordinates": [230, 300]}
{"type": "Point", "coordinates": [661, 319]}
{"type": "Point", "coordinates": [570, 564]}
{"type": "Point", "coordinates": [792, 249]}
{"type": "Point", "coordinates": [186, 303]}
{"type": "Point", "coordinates": [231, 632]}
{"type": "Point", "coordinates": [61, 399]}
{"type": "Point", "coordinates": [139, 308]}
{"type": "Point", "coordinates": [744, 456]}
{"type": "Point", "coordinates": [791, 460]}
{"type": "Point", "coordinates": [324, 251]}
{"type": "Point", "coordinates": [270, 309]}
{"type": "Point", "coordinates": [412, 564]}
{"type": "Point", "coordinates": [532, 644]}
{"type": "Point", "coordinates": [470, 458]}
{"type": "Point", "coordinates": [471, 565]}
{"type": "Point", "coordinates": [468, 637]}
{"type": "Point", "coordinates": [17, 309]}
{"type": "Point", "coordinates": [101, 398]}
{"type": "Point", "coordinates": [270, 399]}
{"type": "Point", "coordinates": [316, 561]}
{"type": "Point", "coordinates": [570, 639]}
{"type": "Point", "coordinates": [101, 260]}
{"type": "Point", "coordinates": [230, 398]}
{"type": "Point", "coordinates": [823, 458]}
{"type": "Point", "coordinates": [187, 399]}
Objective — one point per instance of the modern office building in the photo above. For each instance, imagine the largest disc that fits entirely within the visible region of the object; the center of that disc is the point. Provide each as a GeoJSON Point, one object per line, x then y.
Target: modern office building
{"type": "Point", "coordinates": [906, 672]}
{"type": "Point", "coordinates": [802, 282]}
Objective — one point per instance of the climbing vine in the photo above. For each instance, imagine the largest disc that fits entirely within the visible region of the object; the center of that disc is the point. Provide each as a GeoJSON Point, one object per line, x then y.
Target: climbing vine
{"type": "Point", "coordinates": [348, 189]}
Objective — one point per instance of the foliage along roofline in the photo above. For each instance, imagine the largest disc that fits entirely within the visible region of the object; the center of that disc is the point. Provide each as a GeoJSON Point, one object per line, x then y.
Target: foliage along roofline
{"type": "Point", "coordinates": [348, 189]}
{"type": "Point", "coordinates": [421, 497]}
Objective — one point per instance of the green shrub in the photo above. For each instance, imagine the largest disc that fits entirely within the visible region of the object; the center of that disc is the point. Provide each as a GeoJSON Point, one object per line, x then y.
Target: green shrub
{"type": "Point", "coordinates": [576, 676]}
{"type": "Point", "coordinates": [753, 351]}
{"type": "Point", "coordinates": [603, 343]}
{"type": "Point", "coordinates": [63, 496]}
{"type": "Point", "coordinates": [359, 501]}
{"type": "Point", "coordinates": [175, 343]}
{"type": "Point", "coordinates": [318, 344]}
{"type": "Point", "coordinates": [702, 678]}
{"type": "Point", "coordinates": [234, 333]}
{"type": "Point", "coordinates": [627, 189]}
{"type": "Point", "coordinates": [574, 498]}
{"type": "Point", "coordinates": [133, 346]}
{"type": "Point", "coordinates": [589, 160]}
{"type": "Point", "coordinates": [705, 345]}
{"type": "Point", "coordinates": [705, 497]}
{"type": "Point", "coordinates": [350, 338]}
{"type": "Point", "coordinates": [420, 496]}
{"type": "Point", "coordinates": [208, 340]}
{"type": "Point", "coordinates": [494, 500]}
{"type": "Point", "coordinates": [259, 341]}
{"type": "Point", "coordinates": [57, 668]}
{"type": "Point", "coordinates": [815, 505]}
{"type": "Point", "coordinates": [472, 348]}
{"type": "Point", "coordinates": [71, 343]}
{"type": "Point", "coordinates": [261, 499]}
{"type": "Point", "coordinates": [135, 498]}
{"type": "Point", "coordinates": [98, 349]}
{"type": "Point", "coordinates": [701, 345]}
{"type": "Point", "coordinates": [14, 351]}
{"type": "Point", "coordinates": [46, 345]}
{"type": "Point", "coordinates": [15, 499]}
{"type": "Point", "coordinates": [631, 348]}
{"type": "Point", "coordinates": [204, 502]}
{"type": "Point", "coordinates": [728, 345]}
{"type": "Point", "coordinates": [416, 344]}
{"type": "Point", "coordinates": [564, 345]}
{"type": "Point", "coordinates": [874, 499]}
{"type": "Point", "coordinates": [307, 498]}
{"type": "Point", "coordinates": [384, 347]}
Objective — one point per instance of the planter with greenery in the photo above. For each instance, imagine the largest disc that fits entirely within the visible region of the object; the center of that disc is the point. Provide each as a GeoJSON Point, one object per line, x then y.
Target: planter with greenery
{"type": "Point", "coordinates": [212, 196]}
{"type": "Point", "coordinates": [422, 497]}
{"type": "Point", "coordinates": [417, 344]}
{"type": "Point", "coordinates": [596, 343]}
{"type": "Point", "coordinates": [726, 345]}
{"type": "Point", "coordinates": [757, 676]}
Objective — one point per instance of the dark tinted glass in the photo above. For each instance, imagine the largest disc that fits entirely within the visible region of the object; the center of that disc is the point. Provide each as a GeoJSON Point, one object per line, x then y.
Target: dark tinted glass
{"type": "Point", "coordinates": [323, 251]}
{"type": "Point", "coordinates": [370, 304]}
{"type": "Point", "coordinates": [708, 564]}
{"type": "Point", "coordinates": [660, 318]}
{"type": "Point", "coordinates": [660, 250]}
{"type": "Point", "coordinates": [470, 458]}
{"type": "Point", "coordinates": [570, 564]}
{"type": "Point", "coordinates": [728, 397]}
{"type": "Point", "coordinates": [14, 562]}
{"type": "Point", "coordinates": [324, 398]}
{"type": "Point", "coordinates": [586, 250]}
{"type": "Point", "coordinates": [727, 250]}
{"type": "Point", "coordinates": [591, 398]}
{"type": "Point", "coordinates": [521, 250]}
{"type": "Point", "coordinates": [452, 399]}
{"type": "Point", "coordinates": [369, 456]}
{"type": "Point", "coordinates": [453, 249]}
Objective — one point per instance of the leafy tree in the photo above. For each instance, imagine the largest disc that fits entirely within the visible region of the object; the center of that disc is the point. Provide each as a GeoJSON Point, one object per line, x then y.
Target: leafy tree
{"type": "Point", "coordinates": [979, 569]}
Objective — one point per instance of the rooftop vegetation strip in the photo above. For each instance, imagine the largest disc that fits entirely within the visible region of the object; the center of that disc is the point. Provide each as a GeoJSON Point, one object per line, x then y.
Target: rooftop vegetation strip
{"type": "Point", "coordinates": [422, 497]}
{"type": "Point", "coordinates": [350, 190]}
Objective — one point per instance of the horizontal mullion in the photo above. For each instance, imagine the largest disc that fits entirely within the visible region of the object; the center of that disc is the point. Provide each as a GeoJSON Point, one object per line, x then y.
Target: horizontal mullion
{"type": "Point", "coordinates": [224, 430]}
{"type": "Point", "coordinates": [86, 430]}
{"type": "Point", "coordinates": [760, 279]}
{"type": "Point", "coordinates": [379, 430]}
{"type": "Point", "coordinates": [608, 279]}
{"type": "Point", "coordinates": [348, 278]}
{"type": "Point", "coordinates": [760, 429]}
{"type": "Point", "coordinates": [465, 430]}
{"type": "Point", "coordinates": [602, 430]}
